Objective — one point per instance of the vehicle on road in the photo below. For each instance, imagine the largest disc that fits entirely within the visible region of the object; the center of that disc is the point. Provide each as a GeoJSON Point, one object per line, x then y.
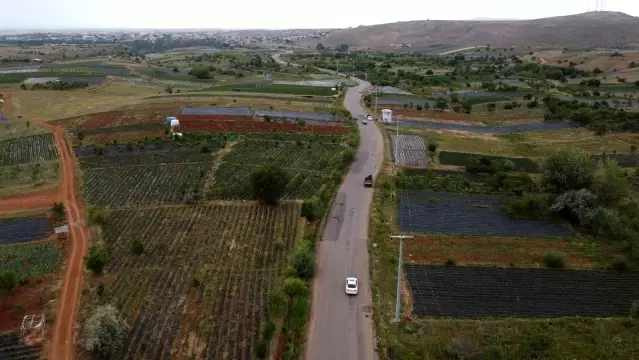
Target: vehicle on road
{"type": "Point", "coordinates": [351, 286]}
{"type": "Point", "coordinates": [369, 117]}
{"type": "Point", "coordinates": [364, 121]}
{"type": "Point", "coordinates": [368, 181]}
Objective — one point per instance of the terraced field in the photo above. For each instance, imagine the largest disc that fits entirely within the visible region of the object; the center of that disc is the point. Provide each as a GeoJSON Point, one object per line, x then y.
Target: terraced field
{"type": "Point", "coordinates": [463, 159]}
{"type": "Point", "coordinates": [477, 292]}
{"type": "Point", "coordinates": [409, 150]}
{"type": "Point", "coordinates": [200, 287]}
{"type": "Point", "coordinates": [14, 348]}
{"type": "Point", "coordinates": [466, 214]}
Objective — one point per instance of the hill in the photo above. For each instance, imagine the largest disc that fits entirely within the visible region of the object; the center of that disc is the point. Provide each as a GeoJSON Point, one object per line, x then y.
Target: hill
{"type": "Point", "coordinates": [599, 29]}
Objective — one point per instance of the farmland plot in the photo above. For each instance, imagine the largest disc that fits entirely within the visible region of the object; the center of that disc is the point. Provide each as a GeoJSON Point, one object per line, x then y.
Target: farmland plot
{"type": "Point", "coordinates": [23, 230]}
{"type": "Point", "coordinates": [303, 155]}
{"type": "Point", "coordinates": [200, 289]}
{"type": "Point", "coordinates": [409, 150]}
{"type": "Point", "coordinates": [27, 150]}
{"type": "Point", "coordinates": [477, 292]}
{"type": "Point", "coordinates": [625, 160]}
{"type": "Point", "coordinates": [27, 260]}
{"type": "Point", "coordinates": [507, 129]}
{"type": "Point", "coordinates": [14, 348]}
{"type": "Point", "coordinates": [463, 159]}
{"type": "Point", "coordinates": [232, 182]}
{"type": "Point", "coordinates": [466, 214]}
{"type": "Point", "coordinates": [129, 186]}
{"type": "Point", "coordinates": [145, 158]}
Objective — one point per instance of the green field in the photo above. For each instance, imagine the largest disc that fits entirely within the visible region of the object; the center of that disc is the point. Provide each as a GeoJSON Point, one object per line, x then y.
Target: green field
{"type": "Point", "coordinates": [275, 89]}
{"type": "Point", "coordinates": [27, 260]}
{"type": "Point", "coordinates": [463, 159]}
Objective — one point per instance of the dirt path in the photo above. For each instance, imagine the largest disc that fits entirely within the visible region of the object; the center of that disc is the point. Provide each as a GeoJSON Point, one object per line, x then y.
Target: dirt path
{"type": "Point", "coordinates": [61, 345]}
{"type": "Point", "coordinates": [38, 200]}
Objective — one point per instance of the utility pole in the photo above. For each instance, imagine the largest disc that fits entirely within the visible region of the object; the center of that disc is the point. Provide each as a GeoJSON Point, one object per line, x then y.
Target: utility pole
{"type": "Point", "coordinates": [399, 272]}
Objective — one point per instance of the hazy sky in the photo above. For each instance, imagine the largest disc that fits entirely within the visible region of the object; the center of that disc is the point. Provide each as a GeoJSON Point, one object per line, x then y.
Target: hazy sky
{"type": "Point", "coordinates": [275, 14]}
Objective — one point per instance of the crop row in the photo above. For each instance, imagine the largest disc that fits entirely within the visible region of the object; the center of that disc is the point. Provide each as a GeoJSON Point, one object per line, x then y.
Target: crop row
{"type": "Point", "coordinates": [200, 288]}
{"type": "Point", "coordinates": [463, 159]}
{"type": "Point", "coordinates": [276, 89]}
{"type": "Point", "coordinates": [625, 160]}
{"type": "Point", "coordinates": [27, 260]}
{"type": "Point", "coordinates": [140, 147]}
{"type": "Point", "coordinates": [495, 292]}
{"type": "Point", "coordinates": [129, 186]}
{"type": "Point", "coordinates": [24, 230]}
{"type": "Point", "coordinates": [409, 150]}
{"type": "Point", "coordinates": [27, 150]}
{"type": "Point", "coordinates": [123, 128]}
{"type": "Point", "coordinates": [232, 182]}
{"type": "Point", "coordinates": [300, 155]}
{"type": "Point", "coordinates": [466, 214]}
{"type": "Point", "coordinates": [256, 126]}
{"type": "Point", "coordinates": [146, 158]}
{"type": "Point", "coordinates": [507, 129]}
{"type": "Point", "coordinates": [95, 70]}
{"type": "Point", "coordinates": [14, 348]}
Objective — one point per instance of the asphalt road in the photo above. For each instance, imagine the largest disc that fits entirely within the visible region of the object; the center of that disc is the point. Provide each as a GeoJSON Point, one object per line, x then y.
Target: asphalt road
{"type": "Point", "coordinates": [341, 327]}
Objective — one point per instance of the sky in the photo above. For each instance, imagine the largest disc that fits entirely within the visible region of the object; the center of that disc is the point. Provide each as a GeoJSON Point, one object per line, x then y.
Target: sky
{"type": "Point", "coordinates": [275, 14]}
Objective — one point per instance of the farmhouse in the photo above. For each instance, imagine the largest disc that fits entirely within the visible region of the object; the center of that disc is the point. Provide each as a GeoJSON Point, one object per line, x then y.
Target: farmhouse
{"type": "Point", "coordinates": [215, 113]}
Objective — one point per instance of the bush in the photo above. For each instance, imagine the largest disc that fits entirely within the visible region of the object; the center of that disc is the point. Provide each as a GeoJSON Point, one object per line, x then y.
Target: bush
{"type": "Point", "coordinates": [137, 248]}
{"type": "Point", "coordinates": [276, 305]}
{"type": "Point", "coordinates": [8, 280]}
{"type": "Point", "coordinates": [634, 309]}
{"type": "Point", "coordinates": [348, 156]}
{"type": "Point", "coordinates": [450, 262]}
{"type": "Point", "coordinates": [567, 170]}
{"type": "Point", "coordinates": [619, 263]}
{"type": "Point", "coordinates": [261, 349]}
{"type": "Point", "coordinates": [268, 330]}
{"type": "Point", "coordinates": [527, 207]}
{"type": "Point", "coordinates": [99, 290]}
{"type": "Point", "coordinates": [554, 260]}
{"type": "Point", "coordinates": [432, 146]}
{"type": "Point", "coordinates": [269, 182]}
{"type": "Point", "coordinates": [304, 262]}
{"type": "Point", "coordinates": [607, 224]}
{"type": "Point", "coordinates": [310, 210]}
{"type": "Point", "coordinates": [576, 206]}
{"type": "Point", "coordinates": [105, 332]}
{"type": "Point", "coordinates": [298, 315]}
{"type": "Point", "coordinates": [58, 211]}
{"type": "Point", "coordinates": [97, 259]}
{"type": "Point", "coordinates": [610, 182]}
{"type": "Point", "coordinates": [294, 287]}
{"type": "Point", "coordinates": [97, 215]}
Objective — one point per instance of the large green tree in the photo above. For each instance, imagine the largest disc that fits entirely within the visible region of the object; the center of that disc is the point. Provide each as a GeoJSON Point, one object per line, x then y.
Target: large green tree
{"type": "Point", "coordinates": [105, 332]}
{"type": "Point", "coordinates": [269, 182]}
{"type": "Point", "coordinates": [566, 170]}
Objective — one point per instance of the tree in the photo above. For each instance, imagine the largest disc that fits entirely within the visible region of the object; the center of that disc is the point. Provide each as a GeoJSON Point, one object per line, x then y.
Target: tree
{"type": "Point", "coordinates": [105, 332]}
{"type": "Point", "coordinates": [58, 211]}
{"type": "Point", "coordinates": [304, 262]}
{"type": "Point", "coordinates": [633, 65]}
{"type": "Point", "coordinates": [295, 287]}
{"type": "Point", "coordinates": [201, 72]}
{"type": "Point", "coordinates": [610, 182]}
{"type": "Point", "coordinates": [467, 107]}
{"type": "Point", "coordinates": [491, 107]}
{"type": "Point", "coordinates": [567, 170]}
{"type": "Point", "coordinates": [268, 183]}
{"type": "Point", "coordinates": [97, 259]}
{"type": "Point", "coordinates": [441, 105]}
{"type": "Point", "coordinates": [8, 280]}
{"type": "Point", "coordinates": [342, 48]}
{"type": "Point", "coordinates": [430, 72]}
{"type": "Point", "coordinates": [169, 89]}
{"type": "Point", "coordinates": [320, 47]}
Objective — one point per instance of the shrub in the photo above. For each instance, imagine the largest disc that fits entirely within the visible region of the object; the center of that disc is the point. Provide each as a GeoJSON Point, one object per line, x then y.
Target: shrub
{"type": "Point", "coordinates": [527, 207]}
{"type": "Point", "coordinates": [99, 290]}
{"type": "Point", "coordinates": [269, 182]}
{"type": "Point", "coordinates": [619, 263]}
{"type": "Point", "coordinates": [97, 215]}
{"type": "Point", "coordinates": [137, 248]}
{"type": "Point", "coordinates": [567, 170]}
{"type": "Point", "coordinates": [634, 309]}
{"type": "Point", "coordinates": [348, 156]}
{"type": "Point", "coordinates": [298, 315]}
{"type": "Point", "coordinates": [58, 211]}
{"type": "Point", "coordinates": [268, 330]}
{"type": "Point", "coordinates": [97, 259]}
{"type": "Point", "coordinates": [576, 206]}
{"type": "Point", "coordinates": [261, 349]}
{"type": "Point", "coordinates": [294, 287]}
{"type": "Point", "coordinates": [8, 280]}
{"type": "Point", "coordinates": [276, 305]}
{"type": "Point", "coordinates": [610, 182]}
{"type": "Point", "coordinates": [450, 262]}
{"type": "Point", "coordinates": [304, 262]}
{"type": "Point", "coordinates": [105, 331]}
{"type": "Point", "coordinates": [432, 146]}
{"type": "Point", "coordinates": [554, 260]}
{"type": "Point", "coordinates": [607, 224]}
{"type": "Point", "coordinates": [310, 210]}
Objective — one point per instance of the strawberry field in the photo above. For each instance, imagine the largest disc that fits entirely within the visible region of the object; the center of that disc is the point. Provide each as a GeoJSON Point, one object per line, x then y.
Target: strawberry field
{"type": "Point", "coordinates": [24, 230]}
{"type": "Point", "coordinates": [200, 287]}
{"type": "Point", "coordinates": [477, 292]}
{"type": "Point", "coordinates": [27, 150]}
{"type": "Point", "coordinates": [257, 126]}
{"type": "Point", "coordinates": [409, 150]}
{"type": "Point", "coordinates": [13, 347]}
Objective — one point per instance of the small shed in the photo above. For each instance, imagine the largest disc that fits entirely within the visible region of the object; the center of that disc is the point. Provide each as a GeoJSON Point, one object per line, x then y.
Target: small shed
{"type": "Point", "coordinates": [169, 119]}
{"type": "Point", "coordinates": [387, 115]}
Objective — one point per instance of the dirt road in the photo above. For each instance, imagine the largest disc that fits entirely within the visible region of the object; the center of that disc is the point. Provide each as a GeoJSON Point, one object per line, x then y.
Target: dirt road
{"type": "Point", "coordinates": [32, 201]}
{"type": "Point", "coordinates": [61, 345]}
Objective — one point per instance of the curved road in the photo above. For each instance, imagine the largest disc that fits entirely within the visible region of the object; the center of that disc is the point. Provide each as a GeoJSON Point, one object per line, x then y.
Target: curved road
{"type": "Point", "coordinates": [341, 327]}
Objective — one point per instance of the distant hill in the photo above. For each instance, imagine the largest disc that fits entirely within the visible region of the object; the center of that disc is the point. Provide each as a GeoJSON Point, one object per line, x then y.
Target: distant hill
{"type": "Point", "coordinates": [592, 29]}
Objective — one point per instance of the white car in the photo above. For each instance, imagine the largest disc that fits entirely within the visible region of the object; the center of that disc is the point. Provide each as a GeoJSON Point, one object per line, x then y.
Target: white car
{"type": "Point", "coordinates": [370, 118]}
{"type": "Point", "coordinates": [364, 121]}
{"type": "Point", "coordinates": [351, 286]}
